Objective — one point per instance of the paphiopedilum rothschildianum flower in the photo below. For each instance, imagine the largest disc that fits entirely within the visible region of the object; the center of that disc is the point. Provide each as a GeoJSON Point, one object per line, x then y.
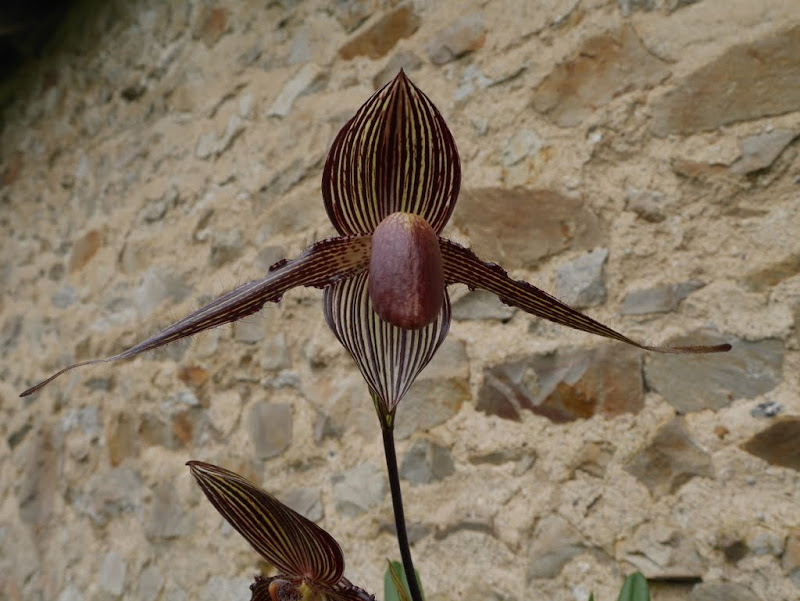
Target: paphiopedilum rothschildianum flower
{"type": "Point", "coordinates": [308, 560]}
{"type": "Point", "coordinates": [389, 186]}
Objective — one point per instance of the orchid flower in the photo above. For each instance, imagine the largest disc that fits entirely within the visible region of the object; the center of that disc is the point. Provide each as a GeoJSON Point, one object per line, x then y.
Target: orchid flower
{"type": "Point", "coordinates": [389, 186]}
{"type": "Point", "coordinates": [309, 561]}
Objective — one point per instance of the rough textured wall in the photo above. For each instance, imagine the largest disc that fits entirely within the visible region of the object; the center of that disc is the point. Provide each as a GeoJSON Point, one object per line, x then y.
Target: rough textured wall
{"type": "Point", "coordinates": [639, 159]}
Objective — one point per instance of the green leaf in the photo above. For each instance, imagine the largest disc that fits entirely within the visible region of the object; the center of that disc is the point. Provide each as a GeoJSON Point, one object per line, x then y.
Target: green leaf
{"type": "Point", "coordinates": [591, 597]}
{"type": "Point", "coordinates": [634, 588]}
{"type": "Point", "coordinates": [395, 583]}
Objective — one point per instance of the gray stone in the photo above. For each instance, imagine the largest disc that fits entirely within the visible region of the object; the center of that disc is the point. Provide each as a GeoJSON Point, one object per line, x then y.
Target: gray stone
{"type": "Point", "coordinates": [150, 583]}
{"type": "Point", "coordinates": [663, 552]}
{"type": "Point", "coordinates": [299, 47]}
{"type": "Point", "coordinates": [605, 67]}
{"type": "Point", "coordinates": [226, 246]}
{"type": "Point", "coordinates": [778, 443]}
{"type": "Point", "coordinates": [174, 592]}
{"type": "Point", "coordinates": [270, 428]}
{"type": "Point", "coordinates": [555, 542]}
{"type": "Point", "coordinates": [212, 144]}
{"type": "Point", "coordinates": [167, 517]}
{"type": "Point", "coordinates": [160, 283]}
{"type": "Point", "coordinates": [748, 81]}
{"type": "Point", "coordinates": [352, 13]}
{"type": "Point", "coordinates": [519, 227]}
{"type": "Point", "coordinates": [112, 573]}
{"type": "Point", "coordinates": [71, 593]}
{"type": "Point", "coordinates": [647, 204]}
{"type": "Point", "coordinates": [275, 353]}
{"type": "Point", "coordinates": [766, 409]}
{"type": "Point", "coordinates": [761, 541]}
{"type": "Point", "coordinates": [82, 419]}
{"type": "Point", "coordinates": [306, 501]}
{"type": "Point", "coordinates": [224, 410]}
{"type": "Point", "coordinates": [566, 385]}
{"type": "Point", "coordinates": [522, 144]}
{"type": "Point", "coordinates": [19, 558]}
{"type": "Point", "coordinates": [760, 151]}
{"type": "Point", "coordinates": [721, 591]}
{"type": "Point", "coordinates": [628, 6]}
{"type": "Point", "coordinates": [250, 330]}
{"type": "Point", "coordinates": [480, 304]}
{"type": "Point", "coordinates": [425, 462]}
{"type": "Point", "coordinates": [310, 78]}
{"type": "Point", "coordinates": [714, 381]}
{"type": "Point", "coordinates": [660, 299]}
{"type": "Point", "coordinates": [18, 435]}
{"type": "Point", "coordinates": [359, 489]}
{"type": "Point", "coordinates": [580, 283]}
{"type": "Point", "coordinates": [670, 460]}
{"type": "Point", "coordinates": [464, 35]}
{"type": "Point", "coordinates": [40, 459]}
{"type": "Point", "coordinates": [108, 494]}
{"type": "Point", "coordinates": [344, 406]}
{"type": "Point", "coordinates": [790, 561]}
{"type": "Point", "coordinates": [379, 37]}
{"type": "Point", "coordinates": [64, 297]}
{"type": "Point", "coordinates": [438, 393]}
{"type": "Point", "coordinates": [9, 333]}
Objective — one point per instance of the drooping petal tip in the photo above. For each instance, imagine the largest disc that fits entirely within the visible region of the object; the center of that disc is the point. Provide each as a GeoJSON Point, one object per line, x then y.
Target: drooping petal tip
{"type": "Point", "coordinates": [462, 266]}
{"type": "Point", "coordinates": [322, 264]}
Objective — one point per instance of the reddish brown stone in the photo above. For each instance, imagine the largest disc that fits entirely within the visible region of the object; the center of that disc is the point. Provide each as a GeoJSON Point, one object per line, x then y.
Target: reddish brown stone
{"type": "Point", "coordinates": [382, 36]}
{"type": "Point", "coordinates": [603, 68]}
{"type": "Point", "coordinates": [121, 438]}
{"type": "Point", "coordinates": [213, 24]}
{"type": "Point", "coordinates": [84, 249]}
{"type": "Point", "coordinates": [566, 385]}
{"type": "Point", "coordinates": [778, 444]}
{"type": "Point", "coordinates": [12, 170]}
{"type": "Point", "coordinates": [670, 460]}
{"type": "Point", "coordinates": [193, 375]}
{"type": "Point", "coordinates": [762, 279]}
{"type": "Point", "coordinates": [183, 429]}
{"type": "Point", "coordinates": [748, 81]}
{"type": "Point", "coordinates": [519, 227]}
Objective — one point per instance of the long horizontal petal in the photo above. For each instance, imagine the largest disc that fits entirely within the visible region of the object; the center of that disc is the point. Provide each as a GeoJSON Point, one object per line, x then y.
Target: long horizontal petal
{"type": "Point", "coordinates": [462, 266]}
{"type": "Point", "coordinates": [322, 264]}
{"type": "Point", "coordinates": [296, 546]}
{"type": "Point", "coordinates": [390, 358]}
{"type": "Point", "coordinates": [395, 155]}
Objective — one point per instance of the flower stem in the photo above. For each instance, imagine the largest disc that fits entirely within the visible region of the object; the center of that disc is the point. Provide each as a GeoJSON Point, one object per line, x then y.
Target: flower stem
{"type": "Point", "coordinates": [399, 517]}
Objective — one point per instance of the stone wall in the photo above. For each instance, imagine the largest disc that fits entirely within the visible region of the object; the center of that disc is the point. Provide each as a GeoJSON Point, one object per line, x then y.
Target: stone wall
{"type": "Point", "coordinates": [637, 158]}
